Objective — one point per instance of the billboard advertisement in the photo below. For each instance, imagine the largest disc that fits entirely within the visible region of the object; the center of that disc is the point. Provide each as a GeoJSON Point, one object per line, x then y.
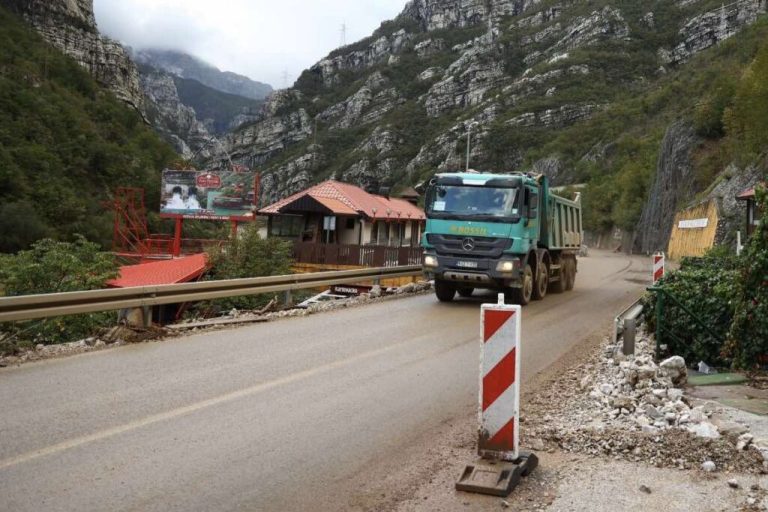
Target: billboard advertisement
{"type": "Point", "coordinates": [209, 195]}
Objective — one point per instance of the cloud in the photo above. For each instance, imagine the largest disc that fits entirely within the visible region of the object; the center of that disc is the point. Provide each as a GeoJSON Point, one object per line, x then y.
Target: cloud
{"type": "Point", "coordinates": [262, 39]}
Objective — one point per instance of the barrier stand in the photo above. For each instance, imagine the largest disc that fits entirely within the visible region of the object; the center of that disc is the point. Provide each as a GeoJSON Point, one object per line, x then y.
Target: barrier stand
{"type": "Point", "coordinates": [659, 264]}
{"type": "Point", "coordinates": [501, 464]}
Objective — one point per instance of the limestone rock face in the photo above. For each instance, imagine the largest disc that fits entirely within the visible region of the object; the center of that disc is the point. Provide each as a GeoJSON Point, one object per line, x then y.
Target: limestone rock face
{"type": "Point", "coordinates": [443, 14]}
{"type": "Point", "coordinates": [176, 122]}
{"type": "Point", "coordinates": [708, 29]}
{"type": "Point", "coordinates": [70, 26]}
{"type": "Point", "coordinates": [674, 171]}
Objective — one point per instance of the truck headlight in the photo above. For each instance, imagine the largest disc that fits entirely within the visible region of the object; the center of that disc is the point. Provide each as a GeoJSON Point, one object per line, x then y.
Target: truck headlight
{"type": "Point", "coordinates": [505, 266]}
{"type": "Point", "coordinates": [430, 261]}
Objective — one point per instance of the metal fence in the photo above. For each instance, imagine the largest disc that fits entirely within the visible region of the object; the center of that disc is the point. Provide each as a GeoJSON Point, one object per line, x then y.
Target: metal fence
{"type": "Point", "coordinates": [356, 255]}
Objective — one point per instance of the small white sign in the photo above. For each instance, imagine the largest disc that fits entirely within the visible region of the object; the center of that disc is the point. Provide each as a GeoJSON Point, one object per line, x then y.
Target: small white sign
{"type": "Point", "coordinates": [439, 206]}
{"type": "Point", "coordinates": [693, 224]}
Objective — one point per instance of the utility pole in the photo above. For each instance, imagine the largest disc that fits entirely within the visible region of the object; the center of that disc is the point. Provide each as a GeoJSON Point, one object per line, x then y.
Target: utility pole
{"type": "Point", "coordinates": [285, 79]}
{"type": "Point", "coordinates": [343, 35]}
{"type": "Point", "coordinates": [469, 139]}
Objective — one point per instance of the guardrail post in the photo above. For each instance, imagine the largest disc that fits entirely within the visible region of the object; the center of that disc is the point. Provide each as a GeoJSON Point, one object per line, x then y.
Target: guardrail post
{"type": "Point", "coordinates": [288, 298]}
{"type": "Point", "coordinates": [659, 322]}
{"type": "Point", "coordinates": [630, 331]}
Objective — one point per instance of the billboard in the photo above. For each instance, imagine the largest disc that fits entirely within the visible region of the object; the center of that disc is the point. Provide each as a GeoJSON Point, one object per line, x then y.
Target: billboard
{"type": "Point", "coordinates": [209, 195]}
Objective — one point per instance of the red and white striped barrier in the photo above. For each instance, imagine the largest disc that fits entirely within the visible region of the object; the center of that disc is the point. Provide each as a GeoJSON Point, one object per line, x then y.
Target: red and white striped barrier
{"type": "Point", "coordinates": [499, 382]}
{"type": "Point", "coordinates": [658, 267]}
{"type": "Point", "coordinates": [502, 464]}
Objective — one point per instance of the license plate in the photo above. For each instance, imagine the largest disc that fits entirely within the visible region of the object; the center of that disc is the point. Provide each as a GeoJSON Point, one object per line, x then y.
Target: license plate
{"type": "Point", "coordinates": [467, 264]}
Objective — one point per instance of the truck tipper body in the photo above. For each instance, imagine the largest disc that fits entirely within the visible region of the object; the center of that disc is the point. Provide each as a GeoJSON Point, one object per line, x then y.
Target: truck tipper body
{"type": "Point", "coordinates": [506, 232]}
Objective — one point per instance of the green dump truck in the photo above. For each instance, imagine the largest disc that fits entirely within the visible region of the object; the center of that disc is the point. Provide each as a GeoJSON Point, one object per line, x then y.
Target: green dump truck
{"type": "Point", "coordinates": [505, 232]}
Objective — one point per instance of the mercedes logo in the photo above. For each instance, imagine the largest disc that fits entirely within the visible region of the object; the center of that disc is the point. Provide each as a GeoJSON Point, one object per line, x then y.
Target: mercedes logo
{"type": "Point", "coordinates": [468, 244]}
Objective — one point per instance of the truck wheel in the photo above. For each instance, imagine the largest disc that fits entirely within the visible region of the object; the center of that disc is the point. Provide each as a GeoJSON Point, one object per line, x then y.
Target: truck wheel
{"type": "Point", "coordinates": [444, 290]}
{"type": "Point", "coordinates": [559, 285]}
{"type": "Point", "coordinates": [466, 292]}
{"type": "Point", "coordinates": [524, 294]}
{"type": "Point", "coordinates": [542, 282]}
{"type": "Point", "coordinates": [571, 281]}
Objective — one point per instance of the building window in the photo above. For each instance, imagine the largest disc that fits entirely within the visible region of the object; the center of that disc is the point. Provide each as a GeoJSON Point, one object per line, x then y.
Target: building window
{"type": "Point", "coordinates": [351, 223]}
{"type": "Point", "coordinates": [287, 226]}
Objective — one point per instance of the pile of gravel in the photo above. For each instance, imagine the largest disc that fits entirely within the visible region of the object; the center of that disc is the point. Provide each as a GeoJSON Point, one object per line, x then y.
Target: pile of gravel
{"type": "Point", "coordinates": [632, 408]}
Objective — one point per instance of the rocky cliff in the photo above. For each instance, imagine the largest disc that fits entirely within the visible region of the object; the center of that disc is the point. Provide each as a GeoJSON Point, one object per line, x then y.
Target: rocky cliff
{"type": "Point", "coordinates": [70, 26]}
{"type": "Point", "coordinates": [187, 66]}
{"type": "Point", "coordinates": [525, 75]}
{"type": "Point", "coordinates": [175, 121]}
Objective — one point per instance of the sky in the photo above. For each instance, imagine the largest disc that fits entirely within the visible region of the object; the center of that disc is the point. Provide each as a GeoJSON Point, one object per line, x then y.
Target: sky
{"type": "Point", "coordinates": [262, 39]}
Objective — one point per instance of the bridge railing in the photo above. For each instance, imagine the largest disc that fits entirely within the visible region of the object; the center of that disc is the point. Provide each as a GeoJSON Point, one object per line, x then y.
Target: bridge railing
{"type": "Point", "coordinates": [31, 307]}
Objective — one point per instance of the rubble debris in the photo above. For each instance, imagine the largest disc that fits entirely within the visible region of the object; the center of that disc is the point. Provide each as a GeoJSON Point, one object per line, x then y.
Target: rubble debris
{"type": "Point", "coordinates": [635, 409]}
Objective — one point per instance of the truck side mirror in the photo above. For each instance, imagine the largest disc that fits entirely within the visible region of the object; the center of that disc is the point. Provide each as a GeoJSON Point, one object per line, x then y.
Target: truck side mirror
{"type": "Point", "coordinates": [533, 205]}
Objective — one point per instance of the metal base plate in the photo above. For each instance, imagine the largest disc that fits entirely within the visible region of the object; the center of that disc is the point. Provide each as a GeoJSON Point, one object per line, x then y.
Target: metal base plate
{"type": "Point", "coordinates": [496, 478]}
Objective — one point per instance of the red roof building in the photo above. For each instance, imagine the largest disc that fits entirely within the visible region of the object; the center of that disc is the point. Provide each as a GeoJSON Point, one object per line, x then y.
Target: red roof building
{"type": "Point", "coordinates": [339, 213]}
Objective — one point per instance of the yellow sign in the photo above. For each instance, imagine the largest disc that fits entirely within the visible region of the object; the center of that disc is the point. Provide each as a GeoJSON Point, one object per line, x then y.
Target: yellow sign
{"type": "Point", "coordinates": [469, 230]}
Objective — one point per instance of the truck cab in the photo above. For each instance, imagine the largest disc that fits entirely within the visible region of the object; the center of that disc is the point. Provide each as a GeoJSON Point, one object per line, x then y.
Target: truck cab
{"type": "Point", "coordinates": [501, 232]}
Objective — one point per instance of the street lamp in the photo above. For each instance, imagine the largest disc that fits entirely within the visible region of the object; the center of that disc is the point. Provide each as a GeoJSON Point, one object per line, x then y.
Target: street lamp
{"type": "Point", "coordinates": [469, 139]}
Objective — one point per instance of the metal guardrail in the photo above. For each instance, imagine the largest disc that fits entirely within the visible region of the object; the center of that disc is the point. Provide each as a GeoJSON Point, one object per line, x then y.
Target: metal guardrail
{"type": "Point", "coordinates": [625, 326]}
{"type": "Point", "coordinates": [31, 307]}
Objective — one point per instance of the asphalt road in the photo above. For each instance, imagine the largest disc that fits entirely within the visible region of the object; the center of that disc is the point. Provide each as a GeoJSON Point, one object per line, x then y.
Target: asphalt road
{"type": "Point", "coordinates": [277, 416]}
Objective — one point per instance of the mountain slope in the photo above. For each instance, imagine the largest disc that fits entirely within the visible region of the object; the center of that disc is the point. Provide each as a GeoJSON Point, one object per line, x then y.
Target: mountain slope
{"type": "Point", "coordinates": [220, 111]}
{"type": "Point", "coordinates": [582, 91]}
{"type": "Point", "coordinates": [183, 65]}
{"type": "Point", "coordinates": [65, 144]}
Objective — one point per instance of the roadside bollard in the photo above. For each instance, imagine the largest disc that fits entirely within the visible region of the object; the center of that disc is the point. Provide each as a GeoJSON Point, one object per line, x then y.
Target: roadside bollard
{"type": "Point", "coordinates": [501, 464]}
{"type": "Point", "coordinates": [658, 267]}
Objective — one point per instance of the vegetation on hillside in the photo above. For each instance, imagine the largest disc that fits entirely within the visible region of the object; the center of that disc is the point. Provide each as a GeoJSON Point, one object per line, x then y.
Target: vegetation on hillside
{"type": "Point", "coordinates": [65, 144]}
{"type": "Point", "coordinates": [637, 100]}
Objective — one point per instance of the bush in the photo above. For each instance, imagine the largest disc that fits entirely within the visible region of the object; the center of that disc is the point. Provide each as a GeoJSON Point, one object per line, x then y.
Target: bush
{"type": "Point", "coordinates": [246, 256]}
{"type": "Point", "coordinates": [707, 287]}
{"type": "Point", "coordinates": [53, 267]}
{"type": "Point", "coordinates": [748, 338]}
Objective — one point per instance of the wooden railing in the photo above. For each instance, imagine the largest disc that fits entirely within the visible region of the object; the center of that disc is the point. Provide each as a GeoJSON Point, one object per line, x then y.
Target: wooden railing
{"type": "Point", "coordinates": [356, 255]}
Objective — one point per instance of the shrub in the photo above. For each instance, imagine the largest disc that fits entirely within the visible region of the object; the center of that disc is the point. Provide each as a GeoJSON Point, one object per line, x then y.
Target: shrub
{"type": "Point", "coordinates": [748, 337]}
{"type": "Point", "coordinates": [707, 287]}
{"type": "Point", "coordinates": [245, 256]}
{"type": "Point", "coordinates": [52, 267]}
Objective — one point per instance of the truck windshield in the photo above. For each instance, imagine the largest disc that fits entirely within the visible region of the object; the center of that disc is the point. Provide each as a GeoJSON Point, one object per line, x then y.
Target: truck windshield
{"type": "Point", "coordinates": [467, 202]}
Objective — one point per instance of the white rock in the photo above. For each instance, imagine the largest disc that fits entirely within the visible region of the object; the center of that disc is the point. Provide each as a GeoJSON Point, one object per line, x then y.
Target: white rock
{"type": "Point", "coordinates": [744, 441]}
{"type": "Point", "coordinates": [585, 382]}
{"type": "Point", "coordinates": [674, 362]}
{"type": "Point", "coordinates": [733, 483]}
{"type": "Point", "coordinates": [674, 394]}
{"type": "Point", "coordinates": [660, 393]}
{"type": "Point", "coordinates": [606, 388]}
{"type": "Point", "coordinates": [709, 466]}
{"type": "Point", "coordinates": [704, 429]}
{"type": "Point", "coordinates": [697, 415]}
{"type": "Point", "coordinates": [648, 429]}
{"type": "Point", "coordinates": [652, 411]}
{"type": "Point", "coordinates": [670, 417]}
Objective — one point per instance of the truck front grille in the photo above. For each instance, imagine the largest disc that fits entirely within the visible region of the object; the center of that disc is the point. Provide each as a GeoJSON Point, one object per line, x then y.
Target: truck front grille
{"type": "Point", "coordinates": [482, 247]}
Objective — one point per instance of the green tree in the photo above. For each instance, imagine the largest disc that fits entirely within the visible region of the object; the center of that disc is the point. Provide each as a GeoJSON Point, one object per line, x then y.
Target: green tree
{"type": "Point", "coordinates": [747, 120]}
